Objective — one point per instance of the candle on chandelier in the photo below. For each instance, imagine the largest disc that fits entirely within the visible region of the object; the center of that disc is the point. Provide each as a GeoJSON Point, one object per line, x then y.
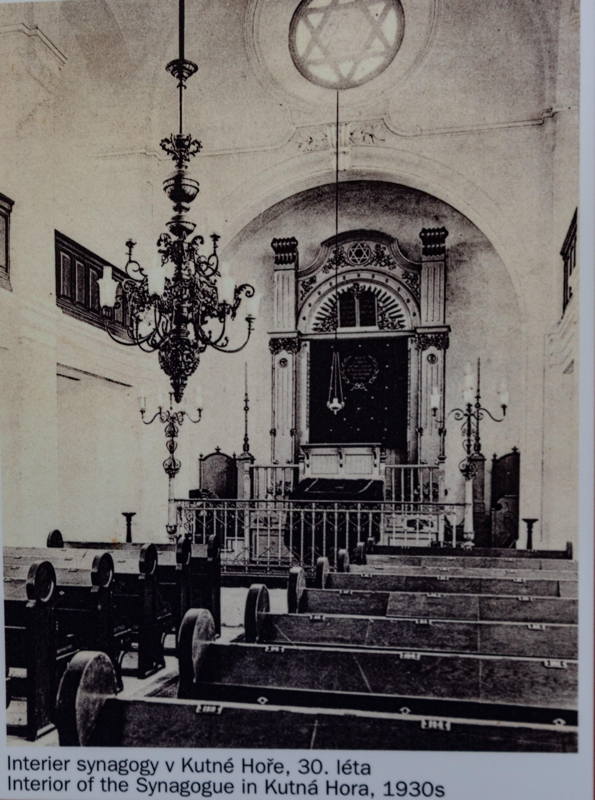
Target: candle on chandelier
{"type": "Point", "coordinates": [252, 305]}
{"type": "Point", "coordinates": [468, 376]}
{"type": "Point", "coordinates": [142, 402]}
{"type": "Point", "coordinates": [227, 288]}
{"type": "Point", "coordinates": [156, 277]}
{"type": "Point", "coordinates": [503, 395]}
{"type": "Point", "coordinates": [107, 288]}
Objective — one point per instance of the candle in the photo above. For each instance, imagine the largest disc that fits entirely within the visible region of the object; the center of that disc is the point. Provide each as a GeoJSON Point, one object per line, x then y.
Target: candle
{"type": "Point", "coordinates": [435, 398]}
{"type": "Point", "coordinates": [142, 402]}
{"type": "Point", "coordinates": [107, 288]}
{"type": "Point", "coordinates": [468, 397]}
{"type": "Point", "coordinates": [156, 277]}
{"type": "Point", "coordinates": [252, 305]}
{"type": "Point", "coordinates": [227, 290]}
{"type": "Point", "coordinates": [503, 394]}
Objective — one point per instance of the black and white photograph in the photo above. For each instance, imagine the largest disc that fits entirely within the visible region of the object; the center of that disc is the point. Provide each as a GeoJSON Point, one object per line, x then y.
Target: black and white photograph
{"type": "Point", "coordinates": [290, 380]}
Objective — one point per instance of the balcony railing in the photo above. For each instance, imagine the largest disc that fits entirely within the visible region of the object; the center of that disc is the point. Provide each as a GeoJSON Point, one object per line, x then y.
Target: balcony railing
{"type": "Point", "coordinates": [279, 533]}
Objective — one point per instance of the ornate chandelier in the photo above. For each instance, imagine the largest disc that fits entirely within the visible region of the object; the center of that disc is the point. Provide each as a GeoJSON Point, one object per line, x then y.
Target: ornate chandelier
{"type": "Point", "coordinates": [182, 305]}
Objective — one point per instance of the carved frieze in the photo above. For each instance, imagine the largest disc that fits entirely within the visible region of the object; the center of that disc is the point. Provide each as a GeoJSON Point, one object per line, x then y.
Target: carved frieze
{"type": "Point", "coordinates": [426, 339]}
{"type": "Point", "coordinates": [360, 254]}
{"type": "Point", "coordinates": [360, 133]}
{"type": "Point", "coordinates": [287, 344]}
{"type": "Point", "coordinates": [306, 285]}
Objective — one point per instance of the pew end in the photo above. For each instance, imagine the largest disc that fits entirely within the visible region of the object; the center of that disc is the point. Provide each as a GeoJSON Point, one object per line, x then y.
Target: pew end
{"type": "Point", "coordinates": [55, 539]}
{"type": "Point", "coordinates": [257, 602]}
{"type": "Point", "coordinates": [322, 572]}
{"type": "Point", "coordinates": [89, 679]}
{"type": "Point", "coordinates": [296, 587]}
{"type": "Point", "coordinates": [343, 561]}
{"type": "Point", "coordinates": [196, 630]}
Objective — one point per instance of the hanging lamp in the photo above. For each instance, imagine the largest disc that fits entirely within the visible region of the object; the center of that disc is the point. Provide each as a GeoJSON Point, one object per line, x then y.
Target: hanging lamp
{"type": "Point", "coordinates": [336, 398]}
{"type": "Point", "coordinates": [181, 305]}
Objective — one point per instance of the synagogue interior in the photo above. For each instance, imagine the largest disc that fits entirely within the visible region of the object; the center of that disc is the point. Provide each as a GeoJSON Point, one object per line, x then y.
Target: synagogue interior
{"type": "Point", "coordinates": [289, 314]}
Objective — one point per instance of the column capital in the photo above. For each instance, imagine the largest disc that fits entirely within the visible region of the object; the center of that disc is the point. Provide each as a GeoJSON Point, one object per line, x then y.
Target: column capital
{"type": "Point", "coordinates": [433, 242]}
{"type": "Point", "coordinates": [286, 251]}
{"type": "Point", "coordinates": [280, 344]}
{"type": "Point", "coordinates": [432, 337]}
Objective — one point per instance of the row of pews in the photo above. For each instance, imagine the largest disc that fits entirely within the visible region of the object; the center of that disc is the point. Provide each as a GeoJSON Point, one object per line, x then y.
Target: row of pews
{"type": "Point", "coordinates": [121, 599]}
{"type": "Point", "coordinates": [400, 651]}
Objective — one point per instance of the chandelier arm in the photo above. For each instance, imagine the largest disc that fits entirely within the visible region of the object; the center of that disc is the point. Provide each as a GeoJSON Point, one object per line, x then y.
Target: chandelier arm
{"type": "Point", "coordinates": [125, 342]}
{"type": "Point", "coordinates": [240, 347]}
{"type": "Point", "coordinates": [481, 411]}
{"type": "Point", "coordinates": [153, 418]}
{"type": "Point", "coordinates": [213, 342]}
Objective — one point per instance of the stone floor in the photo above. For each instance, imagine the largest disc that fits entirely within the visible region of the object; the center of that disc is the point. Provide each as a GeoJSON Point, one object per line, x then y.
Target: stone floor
{"type": "Point", "coordinates": [232, 626]}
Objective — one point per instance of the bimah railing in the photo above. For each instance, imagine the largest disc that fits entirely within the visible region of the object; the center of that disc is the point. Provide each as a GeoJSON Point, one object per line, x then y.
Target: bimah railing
{"type": "Point", "coordinates": [280, 532]}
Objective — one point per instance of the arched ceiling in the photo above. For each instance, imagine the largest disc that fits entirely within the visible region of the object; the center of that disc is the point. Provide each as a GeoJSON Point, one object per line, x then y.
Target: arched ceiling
{"type": "Point", "coordinates": [474, 64]}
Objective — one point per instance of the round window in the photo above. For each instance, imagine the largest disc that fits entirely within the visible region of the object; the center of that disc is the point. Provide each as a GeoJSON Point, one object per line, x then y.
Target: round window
{"type": "Point", "coordinates": [340, 44]}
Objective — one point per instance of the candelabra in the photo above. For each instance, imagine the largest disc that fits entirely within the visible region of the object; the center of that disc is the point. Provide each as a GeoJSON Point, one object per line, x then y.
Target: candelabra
{"type": "Point", "coordinates": [172, 420]}
{"type": "Point", "coordinates": [471, 415]}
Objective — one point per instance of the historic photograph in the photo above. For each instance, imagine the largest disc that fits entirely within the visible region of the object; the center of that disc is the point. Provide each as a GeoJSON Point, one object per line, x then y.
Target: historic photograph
{"type": "Point", "coordinates": [289, 314]}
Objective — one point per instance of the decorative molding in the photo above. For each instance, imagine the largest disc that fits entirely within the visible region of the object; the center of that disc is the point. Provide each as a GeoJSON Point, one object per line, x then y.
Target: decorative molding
{"type": "Point", "coordinates": [389, 314]}
{"type": "Point", "coordinates": [438, 339]}
{"type": "Point", "coordinates": [287, 344]}
{"type": "Point", "coordinates": [361, 249]}
{"type": "Point", "coordinates": [305, 285]}
{"type": "Point", "coordinates": [359, 133]}
{"type": "Point", "coordinates": [36, 33]}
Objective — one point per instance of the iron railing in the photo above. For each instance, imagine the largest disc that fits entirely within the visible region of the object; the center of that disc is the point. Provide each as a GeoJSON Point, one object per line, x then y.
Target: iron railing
{"type": "Point", "coordinates": [280, 532]}
{"type": "Point", "coordinates": [412, 483]}
{"type": "Point", "coordinates": [273, 481]}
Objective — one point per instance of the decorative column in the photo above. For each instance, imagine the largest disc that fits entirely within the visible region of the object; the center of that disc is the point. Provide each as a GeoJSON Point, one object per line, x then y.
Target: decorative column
{"type": "Point", "coordinates": [284, 346]}
{"type": "Point", "coordinates": [432, 341]}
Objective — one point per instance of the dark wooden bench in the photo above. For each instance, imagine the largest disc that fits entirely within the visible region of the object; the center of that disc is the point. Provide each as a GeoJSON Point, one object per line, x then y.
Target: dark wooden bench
{"type": "Point", "coordinates": [543, 585]}
{"type": "Point", "coordinates": [433, 605]}
{"type": "Point", "coordinates": [380, 562]}
{"type": "Point", "coordinates": [139, 605]}
{"type": "Point", "coordinates": [84, 606]}
{"type": "Point", "coordinates": [90, 714]}
{"type": "Point", "coordinates": [468, 685]}
{"type": "Point", "coordinates": [539, 640]}
{"type": "Point", "coordinates": [29, 639]}
{"type": "Point", "coordinates": [475, 552]}
{"type": "Point", "coordinates": [189, 574]}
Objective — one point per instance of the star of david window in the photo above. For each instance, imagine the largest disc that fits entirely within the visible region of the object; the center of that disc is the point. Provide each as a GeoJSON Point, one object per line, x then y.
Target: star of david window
{"type": "Point", "coordinates": [340, 44]}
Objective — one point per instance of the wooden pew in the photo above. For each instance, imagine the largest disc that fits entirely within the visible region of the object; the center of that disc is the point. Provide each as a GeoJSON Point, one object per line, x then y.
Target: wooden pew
{"type": "Point", "coordinates": [433, 605]}
{"type": "Point", "coordinates": [385, 563]}
{"type": "Point", "coordinates": [90, 714]}
{"type": "Point", "coordinates": [554, 640]}
{"type": "Point", "coordinates": [469, 686]}
{"type": "Point", "coordinates": [139, 605]}
{"type": "Point", "coordinates": [544, 585]}
{"type": "Point", "coordinates": [189, 574]}
{"type": "Point", "coordinates": [29, 640]}
{"type": "Point", "coordinates": [373, 548]}
{"type": "Point", "coordinates": [83, 609]}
